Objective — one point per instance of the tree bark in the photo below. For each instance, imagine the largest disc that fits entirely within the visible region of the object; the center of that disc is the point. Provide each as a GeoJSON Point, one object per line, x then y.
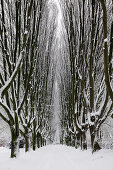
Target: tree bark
{"type": "Point", "coordinates": [107, 79]}
{"type": "Point", "coordinates": [14, 142]}
{"type": "Point", "coordinates": [26, 140]}
{"type": "Point", "coordinates": [34, 136]}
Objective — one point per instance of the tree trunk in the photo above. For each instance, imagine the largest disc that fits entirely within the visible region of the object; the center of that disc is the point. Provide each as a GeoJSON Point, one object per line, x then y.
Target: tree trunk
{"type": "Point", "coordinates": [14, 128]}
{"type": "Point", "coordinates": [78, 135]}
{"type": "Point", "coordinates": [26, 143]}
{"type": "Point", "coordinates": [92, 135]}
{"type": "Point", "coordinates": [34, 135]}
{"type": "Point", "coordinates": [14, 143]}
{"type": "Point", "coordinates": [26, 140]}
{"type": "Point", "coordinates": [84, 142]}
{"type": "Point", "coordinates": [94, 139]}
{"type": "Point", "coordinates": [41, 141]}
{"type": "Point", "coordinates": [34, 140]}
{"type": "Point", "coordinates": [38, 140]}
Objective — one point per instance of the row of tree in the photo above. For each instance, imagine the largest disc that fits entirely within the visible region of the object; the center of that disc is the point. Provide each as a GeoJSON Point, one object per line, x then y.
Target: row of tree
{"type": "Point", "coordinates": [87, 82]}
{"type": "Point", "coordinates": [27, 32]}
{"type": "Point", "coordinates": [29, 37]}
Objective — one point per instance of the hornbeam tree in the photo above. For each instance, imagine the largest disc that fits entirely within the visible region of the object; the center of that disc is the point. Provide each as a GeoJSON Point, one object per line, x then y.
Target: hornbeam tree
{"type": "Point", "coordinates": [34, 117]}
{"type": "Point", "coordinates": [19, 37]}
{"type": "Point", "coordinates": [13, 38]}
{"type": "Point", "coordinates": [89, 97]}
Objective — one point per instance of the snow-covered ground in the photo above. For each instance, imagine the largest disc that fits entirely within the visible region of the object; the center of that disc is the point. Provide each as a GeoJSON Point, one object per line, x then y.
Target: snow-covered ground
{"type": "Point", "coordinates": [57, 157]}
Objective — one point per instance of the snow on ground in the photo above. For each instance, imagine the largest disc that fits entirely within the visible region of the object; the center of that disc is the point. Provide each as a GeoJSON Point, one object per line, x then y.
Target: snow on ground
{"type": "Point", "coordinates": [57, 157]}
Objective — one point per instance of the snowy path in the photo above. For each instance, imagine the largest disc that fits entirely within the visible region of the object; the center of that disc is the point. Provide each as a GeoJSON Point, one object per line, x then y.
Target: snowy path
{"type": "Point", "coordinates": [57, 157]}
